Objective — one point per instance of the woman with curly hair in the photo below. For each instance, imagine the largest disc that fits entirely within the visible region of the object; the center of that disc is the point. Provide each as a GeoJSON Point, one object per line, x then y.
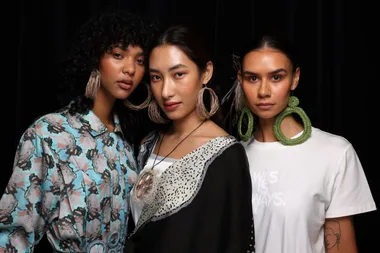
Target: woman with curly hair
{"type": "Point", "coordinates": [74, 168]}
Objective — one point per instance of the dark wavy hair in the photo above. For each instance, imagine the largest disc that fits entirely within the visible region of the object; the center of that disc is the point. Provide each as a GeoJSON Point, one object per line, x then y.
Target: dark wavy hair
{"type": "Point", "coordinates": [93, 39]}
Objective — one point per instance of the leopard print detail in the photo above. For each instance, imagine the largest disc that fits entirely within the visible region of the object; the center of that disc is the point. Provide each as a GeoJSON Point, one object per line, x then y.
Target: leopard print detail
{"type": "Point", "coordinates": [171, 198]}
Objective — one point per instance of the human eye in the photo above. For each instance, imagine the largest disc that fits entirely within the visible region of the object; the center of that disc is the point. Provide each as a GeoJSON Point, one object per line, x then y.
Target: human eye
{"type": "Point", "coordinates": [140, 61]}
{"type": "Point", "coordinates": [155, 78]}
{"type": "Point", "coordinates": [118, 55]}
{"type": "Point", "coordinates": [251, 78]}
{"type": "Point", "coordinates": [277, 78]}
{"type": "Point", "coordinates": [179, 74]}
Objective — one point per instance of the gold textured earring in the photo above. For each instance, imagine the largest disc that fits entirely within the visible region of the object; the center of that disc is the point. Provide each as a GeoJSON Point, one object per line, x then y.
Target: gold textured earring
{"type": "Point", "coordinates": [93, 84]}
{"type": "Point", "coordinates": [154, 113]}
{"type": "Point", "coordinates": [214, 103]}
{"type": "Point", "coordinates": [143, 105]}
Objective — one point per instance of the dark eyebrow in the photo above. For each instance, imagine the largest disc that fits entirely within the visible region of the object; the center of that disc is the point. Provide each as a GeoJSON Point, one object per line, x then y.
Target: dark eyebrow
{"type": "Point", "coordinates": [153, 70]}
{"type": "Point", "coordinates": [177, 67]}
{"type": "Point", "coordinates": [272, 73]}
{"type": "Point", "coordinates": [170, 69]}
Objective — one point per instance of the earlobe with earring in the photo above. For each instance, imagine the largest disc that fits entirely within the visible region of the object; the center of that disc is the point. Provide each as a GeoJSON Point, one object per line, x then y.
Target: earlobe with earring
{"type": "Point", "coordinates": [292, 108]}
{"type": "Point", "coordinates": [214, 103]}
{"type": "Point", "coordinates": [93, 84]}
{"type": "Point", "coordinates": [249, 124]}
{"type": "Point", "coordinates": [154, 113]}
{"type": "Point", "coordinates": [144, 104]}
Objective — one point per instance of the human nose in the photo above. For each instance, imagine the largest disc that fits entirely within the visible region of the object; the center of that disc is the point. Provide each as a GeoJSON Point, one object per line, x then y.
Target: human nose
{"type": "Point", "coordinates": [129, 66]}
{"type": "Point", "coordinates": [264, 89]}
{"type": "Point", "coordinates": [167, 89]}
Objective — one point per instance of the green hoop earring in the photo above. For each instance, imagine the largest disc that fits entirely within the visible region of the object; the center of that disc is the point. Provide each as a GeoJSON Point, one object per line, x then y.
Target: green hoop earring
{"type": "Point", "coordinates": [248, 133]}
{"type": "Point", "coordinates": [292, 108]}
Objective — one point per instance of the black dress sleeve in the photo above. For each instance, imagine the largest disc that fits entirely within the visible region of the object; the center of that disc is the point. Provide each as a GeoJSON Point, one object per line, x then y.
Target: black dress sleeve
{"type": "Point", "coordinates": [237, 201]}
{"type": "Point", "coordinates": [218, 219]}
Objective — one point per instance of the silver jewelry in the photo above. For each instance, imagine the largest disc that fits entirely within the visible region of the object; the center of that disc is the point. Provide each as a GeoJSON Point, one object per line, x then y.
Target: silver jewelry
{"type": "Point", "coordinates": [147, 182]}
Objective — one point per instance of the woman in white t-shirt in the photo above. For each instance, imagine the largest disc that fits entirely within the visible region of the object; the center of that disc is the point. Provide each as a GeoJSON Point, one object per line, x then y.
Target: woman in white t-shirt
{"type": "Point", "coordinates": [306, 183]}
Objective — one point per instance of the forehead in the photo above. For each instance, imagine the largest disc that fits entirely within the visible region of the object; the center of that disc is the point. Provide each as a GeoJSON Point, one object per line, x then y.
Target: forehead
{"type": "Point", "coordinates": [166, 56]}
{"type": "Point", "coordinates": [266, 58]}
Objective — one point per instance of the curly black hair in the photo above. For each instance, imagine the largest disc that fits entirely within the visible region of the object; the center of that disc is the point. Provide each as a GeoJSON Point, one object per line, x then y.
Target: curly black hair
{"type": "Point", "coordinates": [94, 38]}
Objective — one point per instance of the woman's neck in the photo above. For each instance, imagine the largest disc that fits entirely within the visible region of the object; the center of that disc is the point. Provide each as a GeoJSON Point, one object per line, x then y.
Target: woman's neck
{"type": "Point", "coordinates": [103, 105]}
{"type": "Point", "coordinates": [185, 125]}
{"type": "Point", "coordinates": [265, 131]}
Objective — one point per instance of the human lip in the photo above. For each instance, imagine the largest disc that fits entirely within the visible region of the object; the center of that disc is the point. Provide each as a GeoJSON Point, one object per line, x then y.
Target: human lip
{"type": "Point", "coordinates": [171, 105]}
{"type": "Point", "coordinates": [125, 84]}
{"type": "Point", "coordinates": [265, 106]}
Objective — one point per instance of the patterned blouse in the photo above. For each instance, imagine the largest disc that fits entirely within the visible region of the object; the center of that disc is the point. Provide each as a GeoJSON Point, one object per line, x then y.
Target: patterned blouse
{"type": "Point", "coordinates": [71, 179]}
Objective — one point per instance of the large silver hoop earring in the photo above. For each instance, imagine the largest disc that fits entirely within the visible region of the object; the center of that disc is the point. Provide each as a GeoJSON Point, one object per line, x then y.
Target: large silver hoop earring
{"type": "Point", "coordinates": [214, 103]}
{"type": "Point", "coordinates": [93, 84]}
{"type": "Point", "coordinates": [154, 113]}
{"type": "Point", "coordinates": [144, 104]}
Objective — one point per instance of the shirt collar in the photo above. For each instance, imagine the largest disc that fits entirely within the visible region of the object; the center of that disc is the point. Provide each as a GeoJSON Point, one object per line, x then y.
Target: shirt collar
{"type": "Point", "coordinates": [92, 124]}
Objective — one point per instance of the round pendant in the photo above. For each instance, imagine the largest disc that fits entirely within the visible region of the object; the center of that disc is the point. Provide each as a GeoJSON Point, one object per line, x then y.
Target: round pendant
{"type": "Point", "coordinates": [145, 186]}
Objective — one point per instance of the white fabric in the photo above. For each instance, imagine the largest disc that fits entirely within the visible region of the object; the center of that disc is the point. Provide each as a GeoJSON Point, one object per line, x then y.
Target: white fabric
{"type": "Point", "coordinates": [136, 207]}
{"type": "Point", "coordinates": [295, 188]}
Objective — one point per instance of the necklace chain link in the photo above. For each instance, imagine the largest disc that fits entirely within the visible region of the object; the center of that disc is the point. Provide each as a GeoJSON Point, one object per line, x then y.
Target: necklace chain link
{"type": "Point", "coordinates": [176, 146]}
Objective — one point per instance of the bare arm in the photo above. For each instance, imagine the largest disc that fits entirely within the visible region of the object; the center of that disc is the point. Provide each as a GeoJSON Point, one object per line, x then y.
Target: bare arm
{"type": "Point", "coordinates": [340, 235]}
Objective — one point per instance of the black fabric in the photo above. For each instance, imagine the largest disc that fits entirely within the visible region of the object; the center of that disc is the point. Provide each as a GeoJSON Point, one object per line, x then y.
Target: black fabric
{"type": "Point", "coordinates": [218, 220]}
{"type": "Point", "coordinates": [333, 38]}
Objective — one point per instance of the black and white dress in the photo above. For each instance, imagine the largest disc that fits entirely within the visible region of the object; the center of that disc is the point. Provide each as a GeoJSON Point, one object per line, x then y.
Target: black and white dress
{"type": "Point", "coordinates": [201, 203]}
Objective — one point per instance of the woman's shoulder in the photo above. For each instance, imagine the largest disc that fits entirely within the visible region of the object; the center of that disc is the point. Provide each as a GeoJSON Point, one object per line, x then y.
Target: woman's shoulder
{"type": "Point", "coordinates": [235, 150]}
{"type": "Point", "coordinates": [220, 140]}
{"type": "Point", "coordinates": [329, 139]}
{"type": "Point", "coordinates": [48, 122]}
{"type": "Point", "coordinates": [213, 130]}
{"type": "Point", "coordinates": [227, 146]}
{"type": "Point", "coordinates": [151, 136]}
{"type": "Point", "coordinates": [230, 156]}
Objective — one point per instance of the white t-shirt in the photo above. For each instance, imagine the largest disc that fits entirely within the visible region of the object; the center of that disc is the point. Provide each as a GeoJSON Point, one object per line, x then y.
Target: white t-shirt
{"type": "Point", "coordinates": [137, 207]}
{"type": "Point", "coordinates": [295, 188]}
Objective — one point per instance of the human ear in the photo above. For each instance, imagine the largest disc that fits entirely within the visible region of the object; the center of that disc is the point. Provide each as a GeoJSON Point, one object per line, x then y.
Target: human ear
{"type": "Point", "coordinates": [296, 78]}
{"type": "Point", "coordinates": [207, 74]}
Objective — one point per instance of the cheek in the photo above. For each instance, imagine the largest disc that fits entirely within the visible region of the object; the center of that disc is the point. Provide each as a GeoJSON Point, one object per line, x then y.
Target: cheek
{"type": "Point", "coordinates": [249, 92]}
{"type": "Point", "coordinates": [189, 92]}
{"type": "Point", "coordinates": [104, 69]}
{"type": "Point", "coordinates": [281, 95]}
{"type": "Point", "coordinates": [108, 69]}
{"type": "Point", "coordinates": [156, 90]}
{"type": "Point", "coordinates": [140, 71]}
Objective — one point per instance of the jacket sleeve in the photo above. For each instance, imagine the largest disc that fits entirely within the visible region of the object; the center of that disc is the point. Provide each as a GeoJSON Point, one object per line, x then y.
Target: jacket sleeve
{"type": "Point", "coordinates": [31, 194]}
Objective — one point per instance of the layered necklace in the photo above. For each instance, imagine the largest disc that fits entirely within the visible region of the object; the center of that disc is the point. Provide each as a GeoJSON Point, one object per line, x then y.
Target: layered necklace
{"type": "Point", "coordinates": [148, 180]}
